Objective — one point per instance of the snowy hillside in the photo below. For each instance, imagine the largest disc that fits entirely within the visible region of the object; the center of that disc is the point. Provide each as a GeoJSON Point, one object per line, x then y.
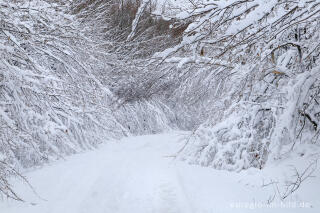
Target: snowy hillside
{"type": "Point", "coordinates": [240, 78]}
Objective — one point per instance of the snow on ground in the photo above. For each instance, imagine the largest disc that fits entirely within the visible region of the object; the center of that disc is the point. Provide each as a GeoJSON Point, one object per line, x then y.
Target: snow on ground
{"type": "Point", "coordinates": [139, 175]}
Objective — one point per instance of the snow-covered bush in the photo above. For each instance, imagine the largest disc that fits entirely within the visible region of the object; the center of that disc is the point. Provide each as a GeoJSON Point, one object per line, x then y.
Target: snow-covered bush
{"type": "Point", "coordinates": [233, 72]}
{"type": "Point", "coordinates": [263, 62]}
{"type": "Point", "coordinates": [54, 90]}
{"type": "Point", "coordinates": [51, 103]}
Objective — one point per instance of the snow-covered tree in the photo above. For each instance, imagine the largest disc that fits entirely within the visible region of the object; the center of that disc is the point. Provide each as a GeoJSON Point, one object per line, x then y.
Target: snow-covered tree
{"type": "Point", "coordinates": [257, 62]}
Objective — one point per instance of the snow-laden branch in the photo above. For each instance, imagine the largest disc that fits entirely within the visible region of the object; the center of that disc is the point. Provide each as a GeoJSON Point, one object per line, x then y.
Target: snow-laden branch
{"type": "Point", "coordinates": [139, 14]}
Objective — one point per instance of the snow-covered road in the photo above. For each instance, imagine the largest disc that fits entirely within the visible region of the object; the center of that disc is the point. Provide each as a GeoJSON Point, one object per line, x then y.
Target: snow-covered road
{"type": "Point", "coordinates": [135, 175]}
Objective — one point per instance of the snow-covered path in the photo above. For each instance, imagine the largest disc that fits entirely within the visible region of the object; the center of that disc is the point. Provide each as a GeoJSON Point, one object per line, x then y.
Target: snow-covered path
{"type": "Point", "coordinates": [135, 175]}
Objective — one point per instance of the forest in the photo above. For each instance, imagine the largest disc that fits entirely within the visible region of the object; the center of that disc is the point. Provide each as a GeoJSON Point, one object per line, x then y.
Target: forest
{"type": "Point", "coordinates": [224, 88]}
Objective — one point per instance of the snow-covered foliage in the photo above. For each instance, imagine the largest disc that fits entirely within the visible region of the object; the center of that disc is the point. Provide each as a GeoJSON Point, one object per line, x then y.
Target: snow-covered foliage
{"type": "Point", "coordinates": [239, 72]}
{"type": "Point", "coordinates": [242, 74]}
{"type": "Point", "coordinates": [258, 67]}
{"type": "Point", "coordinates": [54, 90]}
{"type": "Point", "coordinates": [51, 102]}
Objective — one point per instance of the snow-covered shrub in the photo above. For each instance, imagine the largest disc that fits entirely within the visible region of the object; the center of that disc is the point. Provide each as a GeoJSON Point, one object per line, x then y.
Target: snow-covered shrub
{"type": "Point", "coordinates": [59, 88]}
{"type": "Point", "coordinates": [128, 45]}
{"type": "Point", "coordinates": [51, 101]}
{"type": "Point", "coordinates": [261, 92]}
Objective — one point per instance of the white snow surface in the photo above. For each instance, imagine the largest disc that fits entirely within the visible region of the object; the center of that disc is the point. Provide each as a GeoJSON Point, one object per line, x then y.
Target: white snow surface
{"type": "Point", "coordinates": [140, 175]}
